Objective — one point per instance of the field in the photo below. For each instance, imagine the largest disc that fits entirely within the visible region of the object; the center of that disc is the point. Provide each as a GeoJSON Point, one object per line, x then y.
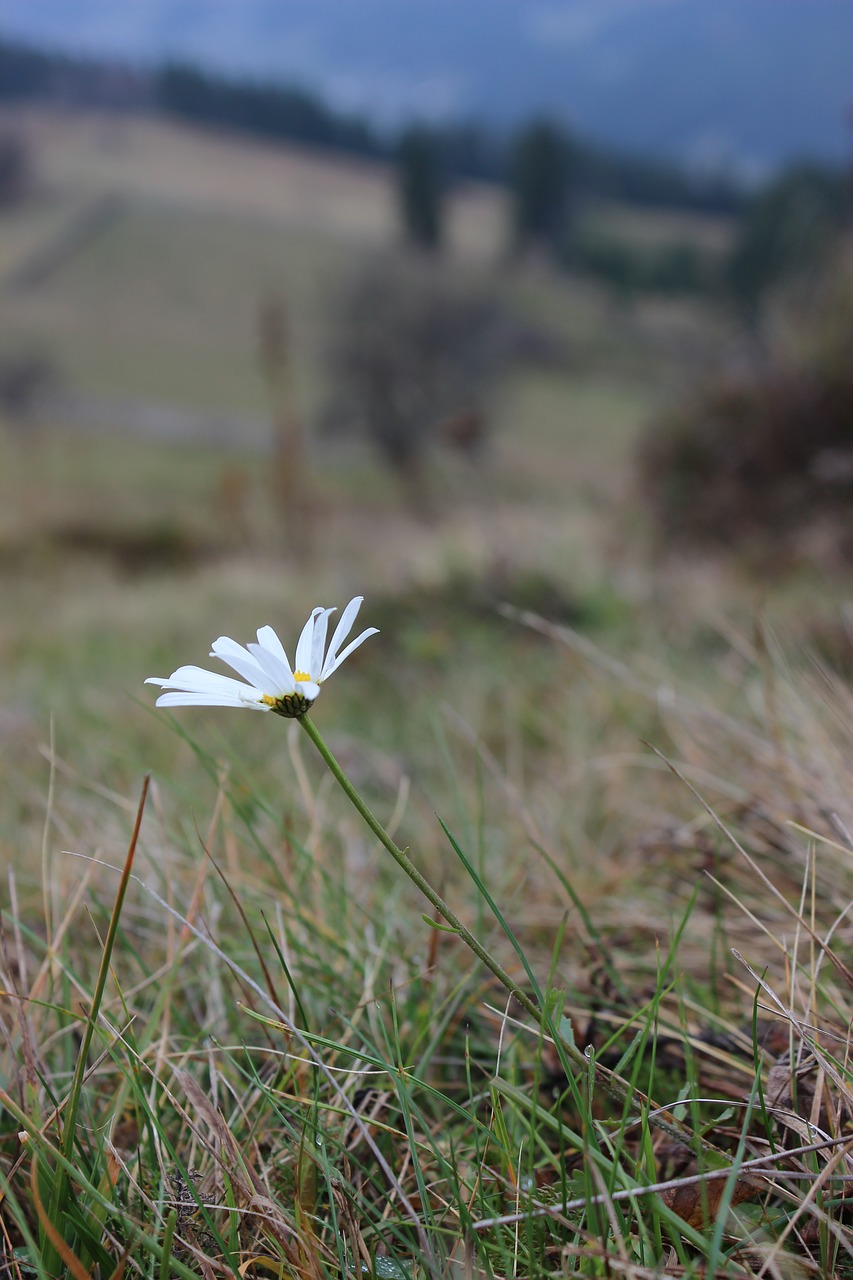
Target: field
{"type": "Point", "coordinates": [625, 775]}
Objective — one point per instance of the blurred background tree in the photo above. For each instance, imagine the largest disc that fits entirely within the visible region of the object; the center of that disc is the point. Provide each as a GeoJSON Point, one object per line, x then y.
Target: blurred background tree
{"type": "Point", "coordinates": [792, 226]}
{"type": "Point", "coordinates": [761, 458]}
{"type": "Point", "coordinates": [415, 357]}
{"type": "Point", "coordinates": [542, 170]}
{"type": "Point", "coordinates": [420, 187]}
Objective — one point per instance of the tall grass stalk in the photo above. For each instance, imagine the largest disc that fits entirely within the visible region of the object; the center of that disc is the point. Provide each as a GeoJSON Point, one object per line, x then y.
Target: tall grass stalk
{"type": "Point", "coordinates": [54, 1222]}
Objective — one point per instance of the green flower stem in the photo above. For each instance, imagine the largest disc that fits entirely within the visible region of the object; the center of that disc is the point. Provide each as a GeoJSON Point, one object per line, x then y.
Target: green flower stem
{"type": "Point", "coordinates": [616, 1086]}
{"type": "Point", "coordinates": [404, 861]}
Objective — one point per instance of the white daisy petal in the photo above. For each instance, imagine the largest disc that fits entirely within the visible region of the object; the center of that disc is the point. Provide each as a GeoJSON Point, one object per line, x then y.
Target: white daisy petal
{"type": "Point", "coordinates": [197, 680]}
{"type": "Point", "coordinates": [305, 644]}
{"type": "Point", "coordinates": [269, 641]}
{"type": "Point", "coordinates": [189, 673]}
{"type": "Point", "coordinates": [277, 671]}
{"type": "Point", "coordinates": [207, 700]}
{"type": "Point", "coordinates": [318, 644]}
{"type": "Point", "coordinates": [341, 632]}
{"type": "Point", "coordinates": [308, 689]}
{"type": "Point", "coordinates": [353, 644]}
{"type": "Point", "coordinates": [243, 663]}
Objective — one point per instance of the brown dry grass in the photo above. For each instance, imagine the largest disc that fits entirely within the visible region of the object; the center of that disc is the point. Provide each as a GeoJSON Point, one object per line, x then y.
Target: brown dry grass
{"type": "Point", "coordinates": [161, 163]}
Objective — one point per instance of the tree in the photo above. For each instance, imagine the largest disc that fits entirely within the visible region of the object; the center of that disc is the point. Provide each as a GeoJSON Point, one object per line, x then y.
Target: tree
{"type": "Point", "coordinates": [420, 187]}
{"type": "Point", "coordinates": [789, 228]}
{"type": "Point", "coordinates": [541, 173]}
{"type": "Point", "coordinates": [416, 353]}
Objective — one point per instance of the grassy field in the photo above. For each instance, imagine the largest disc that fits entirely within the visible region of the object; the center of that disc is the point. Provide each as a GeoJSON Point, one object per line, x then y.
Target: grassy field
{"type": "Point", "coordinates": [626, 777]}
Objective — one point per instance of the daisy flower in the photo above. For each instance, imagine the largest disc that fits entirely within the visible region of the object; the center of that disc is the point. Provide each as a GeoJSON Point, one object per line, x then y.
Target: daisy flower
{"type": "Point", "coordinates": [271, 683]}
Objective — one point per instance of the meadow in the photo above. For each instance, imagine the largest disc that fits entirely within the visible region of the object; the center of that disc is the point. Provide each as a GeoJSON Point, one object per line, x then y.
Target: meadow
{"type": "Point", "coordinates": [237, 1039]}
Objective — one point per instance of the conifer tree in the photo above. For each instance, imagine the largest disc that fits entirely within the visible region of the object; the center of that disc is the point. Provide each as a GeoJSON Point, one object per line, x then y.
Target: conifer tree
{"type": "Point", "coordinates": [540, 177]}
{"type": "Point", "coordinates": [420, 187]}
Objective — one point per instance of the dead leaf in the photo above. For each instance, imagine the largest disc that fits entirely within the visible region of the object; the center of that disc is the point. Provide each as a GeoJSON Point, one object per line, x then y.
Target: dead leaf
{"type": "Point", "coordinates": [698, 1203]}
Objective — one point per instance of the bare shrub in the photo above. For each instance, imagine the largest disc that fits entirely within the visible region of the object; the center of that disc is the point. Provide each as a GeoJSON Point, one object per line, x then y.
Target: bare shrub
{"type": "Point", "coordinates": [414, 358]}
{"type": "Point", "coordinates": [763, 458]}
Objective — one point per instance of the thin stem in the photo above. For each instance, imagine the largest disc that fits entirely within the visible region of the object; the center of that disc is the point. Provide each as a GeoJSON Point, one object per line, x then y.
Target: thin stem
{"type": "Point", "coordinates": [405, 862]}
{"type": "Point", "coordinates": [618, 1087]}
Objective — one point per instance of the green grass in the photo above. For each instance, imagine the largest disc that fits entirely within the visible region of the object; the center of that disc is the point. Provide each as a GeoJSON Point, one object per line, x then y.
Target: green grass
{"type": "Point", "coordinates": [340, 1077]}
{"type": "Point", "coordinates": [239, 1046]}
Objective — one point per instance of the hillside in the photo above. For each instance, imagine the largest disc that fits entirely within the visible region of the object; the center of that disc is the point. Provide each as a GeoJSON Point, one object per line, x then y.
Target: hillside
{"type": "Point", "coordinates": [140, 261]}
{"type": "Point", "coordinates": [157, 161]}
{"type": "Point", "coordinates": [157, 299]}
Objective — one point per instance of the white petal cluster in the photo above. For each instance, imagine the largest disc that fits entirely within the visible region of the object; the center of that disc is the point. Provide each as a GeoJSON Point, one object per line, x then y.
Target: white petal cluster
{"type": "Point", "coordinates": [271, 683]}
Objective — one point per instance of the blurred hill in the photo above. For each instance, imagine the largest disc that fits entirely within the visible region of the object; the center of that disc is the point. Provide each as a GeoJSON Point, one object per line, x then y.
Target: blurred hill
{"type": "Point", "coordinates": [134, 268]}
{"type": "Point", "coordinates": [136, 263]}
{"type": "Point", "coordinates": [741, 83]}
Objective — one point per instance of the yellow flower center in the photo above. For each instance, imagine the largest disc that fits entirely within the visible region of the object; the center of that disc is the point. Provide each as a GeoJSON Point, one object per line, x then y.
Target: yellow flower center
{"type": "Point", "coordinates": [290, 705]}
